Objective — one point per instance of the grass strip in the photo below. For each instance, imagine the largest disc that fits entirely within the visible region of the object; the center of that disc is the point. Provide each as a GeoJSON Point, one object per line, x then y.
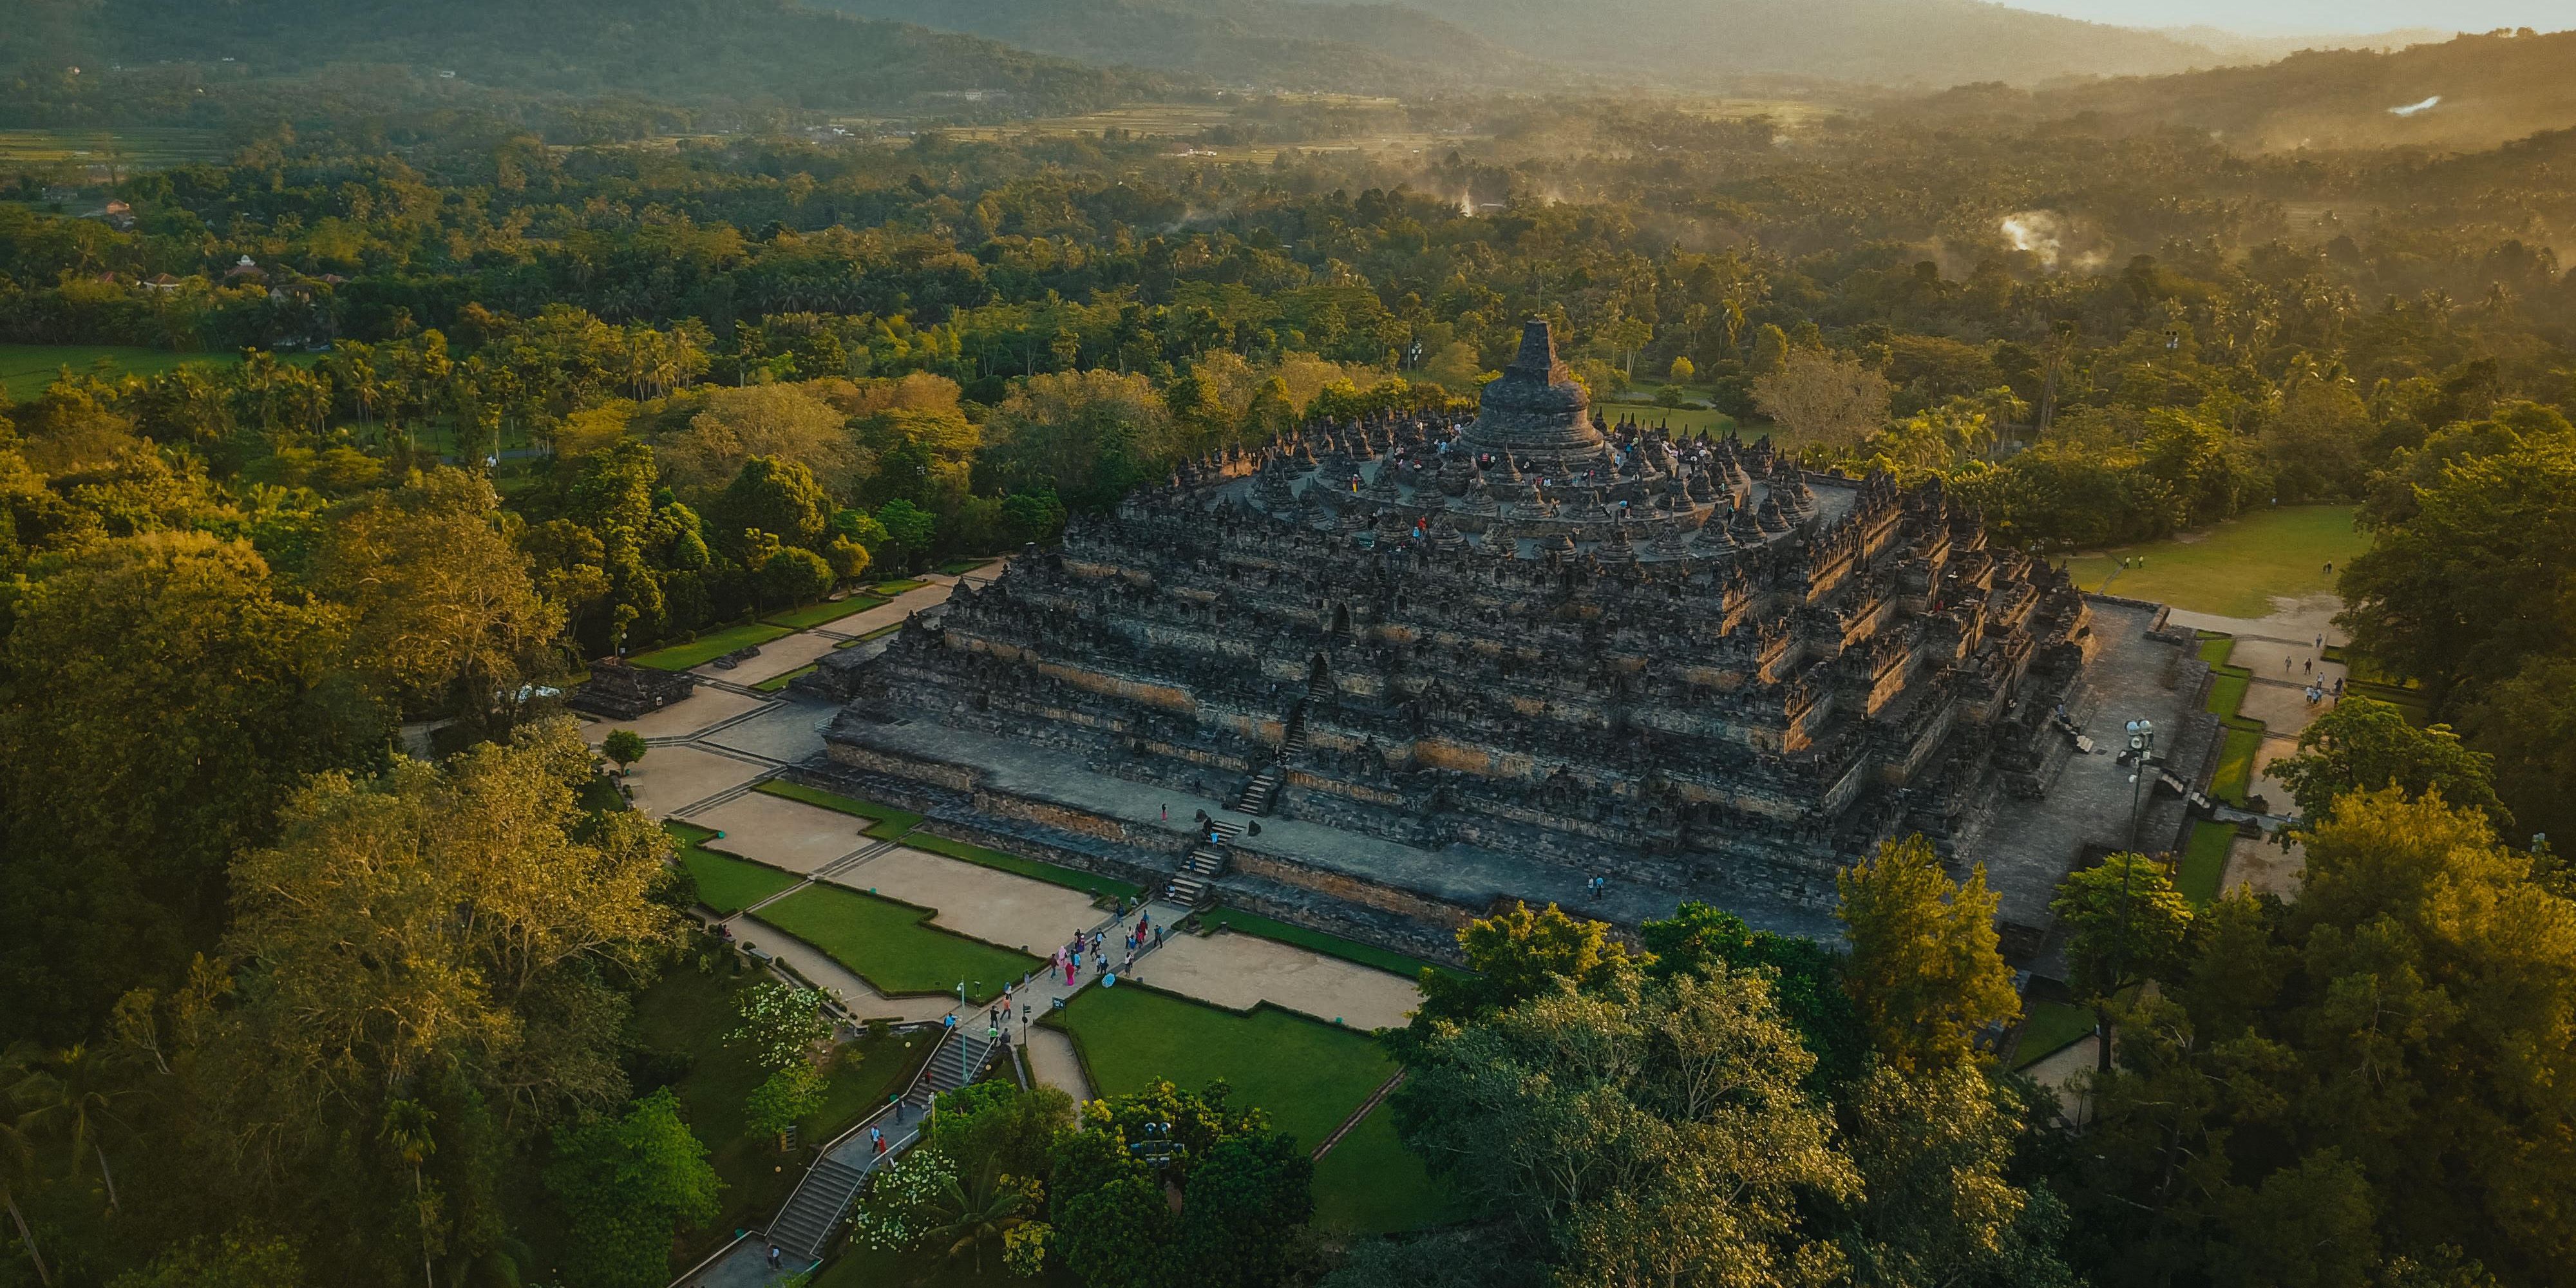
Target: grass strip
{"type": "Point", "coordinates": [817, 614]}
{"type": "Point", "coordinates": [707, 648]}
{"type": "Point", "coordinates": [1034, 869]}
{"type": "Point", "coordinates": [900, 586]}
{"type": "Point", "coordinates": [777, 682]}
{"type": "Point", "coordinates": [1330, 945]}
{"type": "Point", "coordinates": [2234, 776]}
{"type": "Point", "coordinates": [2204, 861]}
{"type": "Point", "coordinates": [889, 944]}
{"type": "Point", "coordinates": [961, 567]}
{"type": "Point", "coordinates": [727, 883]}
{"type": "Point", "coordinates": [888, 822]}
{"type": "Point", "coordinates": [2052, 1027]}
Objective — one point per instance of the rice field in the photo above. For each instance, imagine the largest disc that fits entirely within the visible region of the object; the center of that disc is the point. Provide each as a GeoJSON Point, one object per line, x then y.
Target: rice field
{"type": "Point", "coordinates": [135, 148]}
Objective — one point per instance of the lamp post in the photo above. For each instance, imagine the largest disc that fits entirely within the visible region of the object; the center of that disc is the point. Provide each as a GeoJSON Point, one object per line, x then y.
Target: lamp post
{"type": "Point", "coordinates": [2142, 744]}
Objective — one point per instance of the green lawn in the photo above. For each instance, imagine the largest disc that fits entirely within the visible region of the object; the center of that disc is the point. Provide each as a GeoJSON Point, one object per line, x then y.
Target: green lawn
{"type": "Point", "coordinates": [887, 943]}
{"type": "Point", "coordinates": [961, 567]}
{"type": "Point", "coordinates": [2235, 774]}
{"type": "Point", "coordinates": [1352, 950]}
{"type": "Point", "coordinates": [1372, 1184]}
{"type": "Point", "coordinates": [900, 586]}
{"type": "Point", "coordinates": [1053, 874]}
{"type": "Point", "coordinates": [830, 610]}
{"type": "Point", "coordinates": [2236, 568]}
{"type": "Point", "coordinates": [776, 683]}
{"type": "Point", "coordinates": [2204, 861]}
{"type": "Point", "coordinates": [686, 1015]}
{"type": "Point", "coordinates": [707, 648]}
{"type": "Point", "coordinates": [2052, 1028]}
{"type": "Point", "coordinates": [1309, 1075]}
{"type": "Point", "coordinates": [25, 369]}
{"type": "Point", "coordinates": [877, 634]}
{"type": "Point", "coordinates": [725, 883]}
{"type": "Point", "coordinates": [888, 824]}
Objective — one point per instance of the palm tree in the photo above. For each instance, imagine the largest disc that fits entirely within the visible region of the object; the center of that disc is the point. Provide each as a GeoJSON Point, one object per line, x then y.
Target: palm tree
{"type": "Point", "coordinates": [18, 1151]}
{"type": "Point", "coordinates": [406, 1128]}
{"type": "Point", "coordinates": [77, 1102]}
{"type": "Point", "coordinates": [970, 1215]}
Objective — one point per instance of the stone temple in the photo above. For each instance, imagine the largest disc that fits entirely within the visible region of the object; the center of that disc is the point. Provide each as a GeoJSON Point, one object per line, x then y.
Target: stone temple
{"type": "Point", "coordinates": [1408, 669]}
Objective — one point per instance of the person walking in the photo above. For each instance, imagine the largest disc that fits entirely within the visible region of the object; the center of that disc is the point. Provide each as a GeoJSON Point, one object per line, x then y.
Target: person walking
{"type": "Point", "coordinates": [876, 1139]}
{"type": "Point", "coordinates": [773, 1257]}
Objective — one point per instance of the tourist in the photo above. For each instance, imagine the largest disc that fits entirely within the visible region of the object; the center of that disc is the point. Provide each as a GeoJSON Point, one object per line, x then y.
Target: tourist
{"type": "Point", "coordinates": [948, 1021]}
{"type": "Point", "coordinates": [876, 1137]}
{"type": "Point", "coordinates": [773, 1256]}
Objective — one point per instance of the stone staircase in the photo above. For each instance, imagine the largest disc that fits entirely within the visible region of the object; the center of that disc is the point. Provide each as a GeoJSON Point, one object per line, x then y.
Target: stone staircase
{"type": "Point", "coordinates": [1259, 792]}
{"type": "Point", "coordinates": [1191, 885]}
{"type": "Point", "coordinates": [804, 1226]}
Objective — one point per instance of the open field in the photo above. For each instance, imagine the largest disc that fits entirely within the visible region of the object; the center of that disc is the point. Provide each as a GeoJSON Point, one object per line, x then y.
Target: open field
{"type": "Point", "coordinates": [25, 369]}
{"type": "Point", "coordinates": [708, 647]}
{"type": "Point", "coordinates": [2235, 569]}
{"type": "Point", "coordinates": [132, 147]}
{"type": "Point", "coordinates": [824, 613]}
{"type": "Point", "coordinates": [887, 944]}
{"type": "Point", "coordinates": [1308, 1075]}
{"type": "Point", "coordinates": [725, 883]}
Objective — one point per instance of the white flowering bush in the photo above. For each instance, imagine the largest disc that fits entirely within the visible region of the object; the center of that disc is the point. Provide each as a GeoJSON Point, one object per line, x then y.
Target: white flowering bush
{"type": "Point", "coordinates": [779, 1023]}
{"type": "Point", "coordinates": [891, 1215]}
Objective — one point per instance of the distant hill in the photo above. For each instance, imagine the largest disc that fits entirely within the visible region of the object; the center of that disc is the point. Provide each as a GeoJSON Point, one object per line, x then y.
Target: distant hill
{"type": "Point", "coordinates": [1694, 43]}
{"type": "Point", "coordinates": [2465, 93]}
{"type": "Point", "coordinates": [680, 51]}
{"type": "Point", "coordinates": [1281, 44]}
{"type": "Point", "coordinates": [2239, 48]}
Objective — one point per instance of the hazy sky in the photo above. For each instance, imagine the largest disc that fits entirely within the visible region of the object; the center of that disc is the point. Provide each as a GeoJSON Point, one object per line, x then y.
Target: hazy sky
{"type": "Point", "coordinates": [2270, 16]}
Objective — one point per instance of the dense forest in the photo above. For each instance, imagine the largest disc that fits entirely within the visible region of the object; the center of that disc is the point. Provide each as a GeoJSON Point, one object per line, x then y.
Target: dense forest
{"type": "Point", "coordinates": [523, 382]}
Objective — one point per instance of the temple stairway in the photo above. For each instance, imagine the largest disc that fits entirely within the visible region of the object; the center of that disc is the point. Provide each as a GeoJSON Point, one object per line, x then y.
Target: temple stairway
{"type": "Point", "coordinates": [1202, 865]}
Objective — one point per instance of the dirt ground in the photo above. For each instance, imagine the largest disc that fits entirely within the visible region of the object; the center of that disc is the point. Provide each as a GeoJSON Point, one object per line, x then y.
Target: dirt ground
{"type": "Point", "coordinates": [1238, 971]}
{"type": "Point", "coordinates": [697, 711]}
{"type": "Point", "coordinates": [2261, 863]}
{"type": "Point", "coordinates": [671, 777]}
{"type": "Point", "coordinates": [996, 907]}
{"type": "Point", "coordinates": [783, 833]}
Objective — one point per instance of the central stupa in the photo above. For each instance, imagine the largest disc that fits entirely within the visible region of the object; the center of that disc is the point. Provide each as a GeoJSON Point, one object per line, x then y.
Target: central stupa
{"type": "Point", "coordinates": [1536, 412]}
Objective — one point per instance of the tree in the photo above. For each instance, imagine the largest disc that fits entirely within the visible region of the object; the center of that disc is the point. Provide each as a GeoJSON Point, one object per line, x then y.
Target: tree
{"type": "Point", "coordinates": [999, 1121]}
{"type": "Point", "coordinates": [1681, 371]}
{"type": "Point", "coordinates": [783, 1099]}
{"type": "Point", "coordinates": [466, 916]}
{"type": "Point", "coordinates": [122, 804]}
{"type": "Point", "coordinates": [1522, 954]}
{"type": "Point", "coordinates": [1244, 1193]}
{"type": "Point", "coordinates": [1822, 398]}
{"type": "Point", "coordinates": [406, 1131]}
{"type": "Point", "coordinates": [1663, 1138]}
{"type": "Point", "coordinates": [623, 747]}
{"type": "Point", "coordinates": [967, 1214]}
{"type": "Point", "coordinates": [2479, 578]}
{"type": "Point", "coordinates": [786, 422]}
{"type": "Point", "coordinates": [2528, 725]}
{"type": "Point", "coordinates": [1935, 1152]}
{"type": "Point", "coordinates": [795, 576]}
{"type": "Point", "coordinates": [238, 1260]}
{"type": "Point", "coordinates": [1087, 436]}
{"type": "Point", "coordinates": [444, 612]}
{"type": "Point", "coordinates": [1925, 971]}
{"type": "Point", "coordinates": [1806, 979]}
{"type": "Point", "coordinates": [909, 529]}
{"type": "Point", "coordinates": [626, 1184]}
{"type": "Point", "coordinates": [775, 496]}
{"type": "Point", "coordinates": [2126, 925]}
{"type": "Point", "coordinates": [2363, 745]}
